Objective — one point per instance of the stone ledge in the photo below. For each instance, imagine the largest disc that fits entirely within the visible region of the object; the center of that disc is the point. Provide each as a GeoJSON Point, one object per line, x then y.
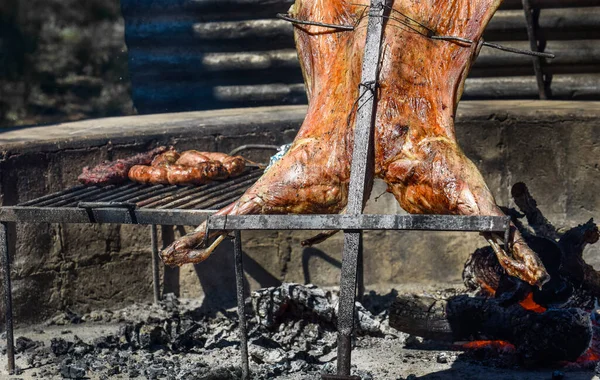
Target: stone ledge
{"type": "Point", "coordinates": [129, 129]}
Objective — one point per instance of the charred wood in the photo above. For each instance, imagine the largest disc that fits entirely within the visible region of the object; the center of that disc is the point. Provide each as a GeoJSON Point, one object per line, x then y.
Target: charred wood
{"type": "Point", "coordinates": [573, 281]}
{"type": "Point", "coordinates": [535, 218]}
{"type": "Point", "coordinates": [554, 335]}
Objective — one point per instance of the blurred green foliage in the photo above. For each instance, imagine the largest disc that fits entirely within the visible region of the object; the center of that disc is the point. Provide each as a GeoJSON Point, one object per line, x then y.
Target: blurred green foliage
{"type": "Point", "coordinates": [62, 60]}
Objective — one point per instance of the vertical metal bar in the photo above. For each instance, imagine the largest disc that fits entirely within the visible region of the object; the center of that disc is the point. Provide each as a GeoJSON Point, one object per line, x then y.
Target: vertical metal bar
{"type": "Point", "coordinates": [170, 274]}
{"type": "Point", "coordinates": [532, 26]}
{"type": "Point", "coordinates": [361, 177]}
{"type": "Point", "coordinates": [352, 242]}
{"type": "Point", "coordinates": [10, 344]}
{"type": "Point", "coordinates": [360, 283]}
{"type": "Point", "coordinates": [239, 281]}
{"type": "Point", "coordinates": [155, 263]}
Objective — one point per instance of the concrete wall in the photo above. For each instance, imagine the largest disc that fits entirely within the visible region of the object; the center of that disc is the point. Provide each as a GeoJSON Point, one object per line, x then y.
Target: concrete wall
{"type": "Point", "coordinates": [554, 147]}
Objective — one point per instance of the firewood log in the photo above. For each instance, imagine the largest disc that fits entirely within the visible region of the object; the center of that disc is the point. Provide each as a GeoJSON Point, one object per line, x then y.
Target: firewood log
{"type": "Point", "coordinates": [554, 335]}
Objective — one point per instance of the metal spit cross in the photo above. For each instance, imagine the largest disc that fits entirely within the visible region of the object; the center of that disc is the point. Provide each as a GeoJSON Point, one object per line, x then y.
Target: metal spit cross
{"type": "Point", "coordinates": [361, 177]}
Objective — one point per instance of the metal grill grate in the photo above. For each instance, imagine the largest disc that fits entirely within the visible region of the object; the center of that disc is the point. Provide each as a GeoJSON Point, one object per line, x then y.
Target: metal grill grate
{"type": "Point", "coordinates": [211, 196]}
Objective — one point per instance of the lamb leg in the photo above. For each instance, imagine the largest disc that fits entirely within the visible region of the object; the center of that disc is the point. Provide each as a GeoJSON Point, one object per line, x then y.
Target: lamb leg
{"type": "Point", "coordinates": [313, 176]}
{"type": "Point", "coordinates": [416, 151]}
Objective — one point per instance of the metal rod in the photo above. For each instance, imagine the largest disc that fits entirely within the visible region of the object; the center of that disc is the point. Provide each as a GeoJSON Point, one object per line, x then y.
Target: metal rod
{"type": "Point", "coordinates": [53, 195]}
{"type": "Point", "coordinates": [252, 146]}
{"type": "Point", "coordinates": [241, 293]}
{"type": "Point", "coordinates": [206, 191]}
{"type": "Point", "coordinates": [10, 344]}
{"type": "Point", "coordinates": [533, 43]}
{"type": "Point", "coordinates": [155, 263]}
{"type": "Point", "coordinates": [361, 177]}
{"type": "Point", "coordinates": [226, 196]}
{"type": "Point", "coordinates": [286, 17]}
{"type": "Point", "coordinates": [171, 275]}
{"type": "Point", "coordinates": [352, 242]}
{"type": "Point", "coordinates": [70, 196]}
{"type": "Point", "coordinates": [415, 222]}
{"type": "Point", "coordinates": [360, 272]}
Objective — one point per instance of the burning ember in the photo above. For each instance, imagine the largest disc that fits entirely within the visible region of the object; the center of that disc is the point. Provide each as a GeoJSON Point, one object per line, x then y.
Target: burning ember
{"type": "Point", "coordinates": [529, 304]}
{"type": "Point", "coordinates": [498, 345]}
{"type": "Point", "coordinates": [503, 314]}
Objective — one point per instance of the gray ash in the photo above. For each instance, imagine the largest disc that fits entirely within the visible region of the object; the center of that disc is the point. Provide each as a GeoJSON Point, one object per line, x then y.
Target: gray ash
{"type": "Point", "coordinates": [291, 330]}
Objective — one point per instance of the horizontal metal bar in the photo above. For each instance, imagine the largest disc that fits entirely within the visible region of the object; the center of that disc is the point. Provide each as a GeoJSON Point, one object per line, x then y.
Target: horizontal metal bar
{"type": "Point", "coordinates": [103, 215]}
{"type": "Point", "coordinates": [110, 204]}
{"type": "Point", "coordinates": [359, 222]}
{"type": "Point", "coordinates": [257, 222]}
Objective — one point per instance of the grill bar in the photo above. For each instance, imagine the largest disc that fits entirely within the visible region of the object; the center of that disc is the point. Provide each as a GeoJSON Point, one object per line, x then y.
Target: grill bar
{"type": "Point", "coordinates": [216, 196]}
{"type": "Point", "coordinates": [50, 196]}
{"type": "Point", "coordinates": [211, 203]}
{"type": "Point", "coordinates": [146, 193]}
{"type": "Point", "coordinates": [79, 193]}
{"type": "Point", "coordinates": [120, 193]}
{"type": "Point", "coordinates": [5, 257]}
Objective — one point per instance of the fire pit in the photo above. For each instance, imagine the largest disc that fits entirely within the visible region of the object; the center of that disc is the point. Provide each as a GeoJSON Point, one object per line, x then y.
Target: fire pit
{"type": "Point", "coordinates": [151, 205]}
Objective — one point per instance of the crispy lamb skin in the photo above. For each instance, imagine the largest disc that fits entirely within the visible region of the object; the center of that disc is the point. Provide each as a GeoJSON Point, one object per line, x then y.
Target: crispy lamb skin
{"type": "Point", "coordinates": [416, 152]}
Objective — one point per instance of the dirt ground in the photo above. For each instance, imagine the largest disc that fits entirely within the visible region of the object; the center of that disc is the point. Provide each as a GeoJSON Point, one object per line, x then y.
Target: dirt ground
{"type": "Point", "coordinates": [380, 353]}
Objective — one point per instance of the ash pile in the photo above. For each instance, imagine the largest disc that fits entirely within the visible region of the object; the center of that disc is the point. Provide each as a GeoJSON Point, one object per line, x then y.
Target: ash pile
{"type": "Point", "coordinates": [291, 330]}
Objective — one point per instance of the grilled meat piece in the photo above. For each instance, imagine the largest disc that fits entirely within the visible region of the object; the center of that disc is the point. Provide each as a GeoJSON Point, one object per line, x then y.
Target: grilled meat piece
{"type": "Point", "coordinates": [116, 172]}
{"type": "Point", "coordinates": [189, 168]}
{"type": "Point", "coordinates": [416, 152]}
{"type": "Point", "coordinates": [157, 172]}
{"type": "Point", "coordinates": [155, 175]}
{"type": "Point", "coordinates": [170, 157]}
{"type": "Point", "coordinates": [313, 176]}
{"type": "Point", "coordinates": [234, 165]}
{"type": "Point", "coordinates": [192, 158]}
{"type": "Point", "coordinates": [196, 175]}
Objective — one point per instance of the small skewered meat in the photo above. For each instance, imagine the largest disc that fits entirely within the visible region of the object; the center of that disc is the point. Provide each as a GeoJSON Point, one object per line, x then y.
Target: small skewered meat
{"type": "Point", "coordinates": [116, 172]}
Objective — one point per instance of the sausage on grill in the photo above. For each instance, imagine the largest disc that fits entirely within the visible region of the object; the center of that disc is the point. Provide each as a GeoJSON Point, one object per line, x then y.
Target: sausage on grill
{"type": "Point", "coordinates": [195, 175]}
{"type": "Point", "coordinates": [234, 165]}
{"type": "Point", "coordinates": [149, 174]}
{"type": "Point", "coordinates": [165, 159]}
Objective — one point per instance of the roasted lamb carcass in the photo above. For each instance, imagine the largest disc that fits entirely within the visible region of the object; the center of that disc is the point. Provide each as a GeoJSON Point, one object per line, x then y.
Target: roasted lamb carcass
{"type": "Point", "coordinates": [416, 152]}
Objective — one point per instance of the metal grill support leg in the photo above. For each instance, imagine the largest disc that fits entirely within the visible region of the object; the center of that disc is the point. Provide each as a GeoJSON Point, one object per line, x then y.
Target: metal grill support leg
{"type": "Point", "coordinates": [10, 344]}
{"type": "Point", "coordinates": [352, 246]}
{"type": "Point", "coordinates": [155, 263]}
{"type": "Point", "coordinates": [241, 293]}
{"type": "Point", "coordinates": [532, 15]}
{"type": "Point", "coordinates": [360, 275]}
{"type": "Point", "coordinates": [361, 177]}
